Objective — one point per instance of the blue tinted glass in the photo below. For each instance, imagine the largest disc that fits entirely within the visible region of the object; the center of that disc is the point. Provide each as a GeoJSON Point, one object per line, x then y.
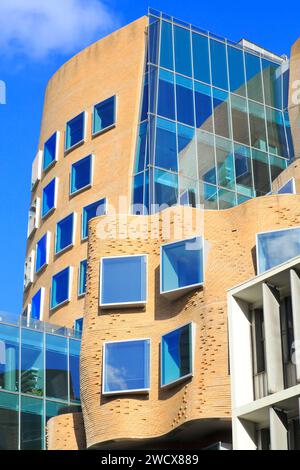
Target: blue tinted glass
{"type": "Point", "coordinates": [153, 35]}
{"type": "Point", "coordinates": [81, 174]}
{"type": "Point", "coordinates": [272, 79]}
{"type": "Point", "coordinates": [78, 325]}
{"type": "Point", "coordinates": [225, 163]}
{"type": "Point", "coordinates": [138, 194]}
{"type": "Point", "coordinates": [60, 287]}
{"type": "Point", "coordinates": [144, 112]}
{"type": "Point", "coordinates": [226, 199]}
{"type": "Point", "coordinates": [104, 115]}
{"type": "Point", "coordinates": [239, 113]}
{"type": "Point", "coordinates": [287, 188]}
{"type": "Point", "coordinates": [64, 233]}
{"type": "Point", "coordinates": [182, 264]}
{"type": "Point", "coordinates": [82, 277]}
{"type": "Point", "coordinates": [274, 248]}
{"type": "Point", "coordinates": [75, 131]}
{"type": "Point", "coordinates": [123, 280]}
{"type": "Point", "coordinates": [48, 202]}
{"type": "Point", "coordinates": [141, 148]}
{"type": "Point", "coordinates": [277, 165]}
{"type": "Point", "coordinates": [9, 419]}
{"type": "Point", "coordinates": [126, 366]}
{"type": "Point", "coordinates": [56, 367]}
{"type": "Point", "coordinates": [254, 77]}
{"type": "Point", "coordinates": [36, 304]}
{"type": "Point", "coordinates": [201, 58]}
{"type": "Point", "coordinates": [49, 151]}
{"type": "Point", "coordinates": [187, 155]}
{"type": "Point", "coordinates": [209, 196]}
{"type": "Point", "coordinates": [166, 153]}
{"type": "Point", "coordinates": [203, 103]}
{"type": "Point", "coordinates": [243, 170]}
{"type": "Point", "coordinates": [41, 253]}
{"type": "Point", "coordinates": [236, 71]}
{"type": "Point", "coordinates": [92, 210]}
{"type": "Point", "coordinates": [182, 41]}
{"type": "Point", "coordinates": [176, 355]}
{"type": "Point", "coordinates": [184, 100]}
{"type": "Point", "coordinates": [166, 188]}
{"type": "Point", "coordinates": [276, 134]}
{"type": "Point", "coordinates": [166, 95]}
{"type": "Point", "coordinates": [166, 46]}
{"type": "Point", "coordinates": [153, 77]}
{"type": "Point", "coordinates": [206, 157]}
{"type": "Point", "coordinates": [261, 173]}
{"type": "Point", "coordinates": [221, 113]}
{"type": "Point", "coordinates": [9, 365]}
{"type": "Point", "coordinates": [32, 425]}
{"type": "Point", "coordinates": [218, 64]}
{"type": "Point", "coordinates": [289, 135]}
{"type": "Point", "coordinates": [32, 363]}
{"type": "Point", "coordinates": [74, 348]}
{"type": "Point", "coordinates": [285, 88]}
{"type": "Point", "coordinates": [258, 134]}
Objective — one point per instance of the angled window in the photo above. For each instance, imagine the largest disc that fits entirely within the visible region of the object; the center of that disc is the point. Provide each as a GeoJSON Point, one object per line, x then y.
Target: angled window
{"type": "Point", "coordinates": [75, 131]}
{"type": "Point", "coordinates": [37, 305]}
{"type": "Point", "coordinates": [65, 233]}
{"type": "Point", "coordinates": [104, 116]}
{"type": "Point", "coordinates": [50, 151]}
{"type": "Point", "coordinates": [276, 247]}
{"type": "Point", "coordinates": [81, 175]}
{"type": "Point", "coordinates": [33, 216]}
{"type": "Point", "coordinates": [78, 325]}
{"type": "Point", "coordinates": [181, 266]}
{"type": "Point", "coordinates": [42, 252]}
{"type": "Point", "coordinates": [36, 170]}
{"type": "Point", "coordinates": [29, 269]}
{"type": "Point", "coordinates": [61, 288]}
{"type": "Point", "coordinates": [177, 355]}
{"type": "Point", "coordinates": [89, 212]}
{"type": "Point", "coordinates": [288, 187]}
{"type": "Point", "coordinates": [49, 197]}
{"type": "Point", "coordinates": [82, 277]}
{"type": "Point", "coordinates": [123, 281]}
{"type": "Point", "coordinates": [126, 367]}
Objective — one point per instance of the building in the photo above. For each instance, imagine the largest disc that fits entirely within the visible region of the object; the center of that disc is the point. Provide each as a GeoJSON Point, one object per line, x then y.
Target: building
{"type": "Point", "coordinates": [164, 150]}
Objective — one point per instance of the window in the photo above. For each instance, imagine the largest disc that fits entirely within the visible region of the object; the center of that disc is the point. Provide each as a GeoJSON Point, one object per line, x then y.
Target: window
{"type": "Point", "coordinates": [104, 116]}
{"type": "Point", "coordinates": [288, 187]}
{"type": "Point", "coordinates": [181, 266]}
{"type": "Point", "coordinates": [32, 362]}
{"type": "Point", "coordinates": [65, 230]}
{"type": "Point", "coordinates": [9, 367]}
{"type": "Point", "coordinates": [36, 170]}
{"type": "Point", "coordinates": [42, 252]}
{"type": "Point", "coordinates": [276, 247]}
{"type": "Point", "coordinates": [82, 277]}
{"type": "Point", "coordinates": [60, 290]}
{"type": "Point", "coordinates": [126, 366]}
{"type": "Point", "coordinates": [74, 382]}
{"type": "Point", "coordinates": [29, 269]}
{"type": "Point", "coordinates": [31, 424]}
{"type": "Point", "coordinates": [258, 333]}
{"type": "Point", "coordinates": [75, 131]}
{"type": "Point", "coordinates": [177, 355]}
{"type": "Point", "coordinates": [78, 325]}
{"type": "Point", "coordinates": [123, 281]}
{"type": "Point", "coordinates": [81, 174]}
{"type": "Point", "coordinates": [56, 367]}
{"type": "Point", "coordinates": [50, 151]}
{"type": "Point", "coordinates": [37, 305]}
{"type": "Point", "coordinates": [33, 216]}
{"type": "Point", "coordinates": [92, 210]}
{"type": "Point", "coordinates": [49, 198]}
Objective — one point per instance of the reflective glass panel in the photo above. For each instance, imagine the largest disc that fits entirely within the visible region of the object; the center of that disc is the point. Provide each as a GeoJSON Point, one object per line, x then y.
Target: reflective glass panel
{"type": "Point", "coordinates": [218, 64]}
{"type": "Point", "coordinates": [89, 212]}
{"type": "Point", "coordinates": [274, 248]}
{"type": "Point", "coordinates": [226, 199]}
{"type": "Point", "coordinates": [50, 151]}
{"type": "Point", "coordinates": [187, 158]}
{"type": "Point", "coordinates": [166, 188]}
{"type": "Point", "coordinates": [240, 128]}
{"type": "Point", "coordinates": [188, 192]}
{"type": "Point", "coordinates": [36, 306]}
{"type": "Point", "coordinates": [243, 170]}
{"type": "Point", "coordinates": [82, 277]}
{"type": "Point", "coordinates": [74, 353]}
{"type": "Point", "coordinates": [272, 78]}
{"type": "Point", "coordinates": [203, 104]}
{"type": "Point", "coordinates": [166, 150]}
{"type": "Point", "coordinates": [153, 41]}
{"type": "Point", "coordinates": [9, 420]}
{"type": "Point", "coordinates": [75, 131]}
{"type": "Point", "coordinates": [258, 134]}
{"type": "Point", "coordinates": [32, 363]}
{"type": "Point", "coordinates": [277, 165]}
{"type": "Point", "coordinates": [225, 163]}
{"type": "Point", "coordinates": [104, 115]}
{"type": "Point", "coordinates": [261, 173]}
{"type": "Point", "coordinates": [56, 367]}
{"type": "Point", "coordinates": [32, 426]}
{"type": "Point", "coordinates": [236, 71]}
{"type": "Point", "coordinates": [48, 200]}
{"type": "Point", "coordinates": [41, 253]}
{"type": "Point", "coordinates": [60, 287]}
{"type": "Point", "coordinates": [81, 174]}
{"type": "Point", "coordinates": [166, 95]}
{"type": "Point", "coordinates": [138, 194]}
{"type": "Point", "coordinates": [9, 358]}
{"type": "Point", "coordinates": [208, 196]}
{"type": "Point", "coordinates": [289, 135]}
{"type": "Point", "coordinates": [64, 233]}
{"type": "Point", "coordinates": [182, 41]}
{"type": "Point", "coordinates": [141, 148]}
{"type": "Point", "coordinates": [201, 58]}
{"type": "Point", "coordinates": [206, 157]}
{"type": "Point", "coordinates": [184, 100]}
{"type": "Point", "coordinates": [254, 77]}
{"type": "Point", "coordinates": [166, 46]}
{"type": "Point", "coordinates": [276, 133]}
{"type": "Point", "coordinates": [221, 113]}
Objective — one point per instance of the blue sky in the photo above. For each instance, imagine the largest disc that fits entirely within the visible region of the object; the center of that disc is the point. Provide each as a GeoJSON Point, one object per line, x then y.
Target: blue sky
{"type": "Point", "coordinates": [36, 37]}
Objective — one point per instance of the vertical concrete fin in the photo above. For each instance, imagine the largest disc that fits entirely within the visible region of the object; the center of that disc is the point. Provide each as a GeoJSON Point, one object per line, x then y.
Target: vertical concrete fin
{"type": "Point", "coordinates": [278, 430]}
{"type": "Point", "coordinates": [243, 433]}
{"type": "Point", "coordinates": [295, 292]}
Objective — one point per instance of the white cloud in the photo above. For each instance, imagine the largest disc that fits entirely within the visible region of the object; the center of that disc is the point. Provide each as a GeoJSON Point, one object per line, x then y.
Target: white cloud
{"type": "Point", "coordinates": [37, 28]}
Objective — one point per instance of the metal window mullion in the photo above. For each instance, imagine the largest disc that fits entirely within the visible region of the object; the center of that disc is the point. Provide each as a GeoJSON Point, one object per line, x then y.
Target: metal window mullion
{"type": "Point", "coordinates": [230, 122]}
{"type": "Point", "coordinates": [266, 121]}
{"type": "Point", "coordinates": [249, 127]}
{"type": "Point", "coordinates": [195, 123]}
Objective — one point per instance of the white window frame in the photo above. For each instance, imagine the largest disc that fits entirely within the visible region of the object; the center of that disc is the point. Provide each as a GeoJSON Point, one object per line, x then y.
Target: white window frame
{"type": "Point", "coordinates": [56, 152]}
{"type": "Point", "coordinates": [88, 186]}
{"type": "Point", "coordinates": [111, 126]}
{"type": "Point", "coordinates": [123, 304]}
{"type": "Point", "coordinates": [48, 242]}
{"type": "Point", "coordinates": [41, 306]}
{"type": "Point", "coordinates": [82, 213]}
{"type": "Point", "coordinates": [78, 280]}
{"type": "Point", "coordinates": [43, 217]}
{"type": "Point", "coordinates": [66, 301]}
{"type": "Point", "coordinates": [36, 173]}
{"type": "Point", "coordinates": [83, 140]}
{"type": "Point", "coordinates": [142, 391]}
{"type": "Point", "coordinates": [32, 270]}
{"type": "Point", "coordinates": [57, 253]}
{"type": "Point", "coordinates": [36, 201]}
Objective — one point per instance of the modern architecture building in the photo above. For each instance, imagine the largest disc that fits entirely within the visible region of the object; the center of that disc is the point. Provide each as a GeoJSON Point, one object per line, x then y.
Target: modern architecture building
{"type": "Point", "coordinates": [164, 151]}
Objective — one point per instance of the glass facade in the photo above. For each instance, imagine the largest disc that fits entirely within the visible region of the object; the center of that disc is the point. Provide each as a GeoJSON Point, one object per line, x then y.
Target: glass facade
{"type": "Point", "coordinates": [276, 247]}
{"type": "Point", "coordinates": [39, 379]}
{"type": "Point", "coordinates": [214, 128]}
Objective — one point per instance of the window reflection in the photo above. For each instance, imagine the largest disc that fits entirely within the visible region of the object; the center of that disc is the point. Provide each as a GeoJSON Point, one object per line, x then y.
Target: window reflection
{"type": "Point", "coordinates": [32, 363]}
{"type": "Point", "coordinates": [31, 424]}
{"type": "Point", "coordinates": [56, 367]}
{"type": "Point", "coordinates": [9, 358]}
{"type": "Point", "coordinates": [269, 247]}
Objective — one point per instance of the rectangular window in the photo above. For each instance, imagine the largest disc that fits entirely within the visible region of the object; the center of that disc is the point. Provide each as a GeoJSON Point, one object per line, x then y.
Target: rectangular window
{"type": "Point", "coordinates": [49, 197]}
{"type": "Point", "coordinates": [31, 424]}
{"type": "Point", "coordinates": [259, 341]}
{"type": "Point", "coordinates": [276, 247]}
{"type": "Point", "coordinates": [82, 277]}
{"type": "Point", "coordinates": [225, 163]}
{"type": "Point", "coordinates": [240, 128]}
{"type": "Point", "coordinates": [9, 419]}
{"type": "Point", "coordinates": [177, 355]}
{"type": "Point", "coordinates": [61, 288]}
{"type": "Point", "coordinates": [75, 131]}
{"type": "Point", "coordinates": [65, 230]}
{"type": "Point", "coordinates": [37, 305]}
{"type": "Point", "coordinates": [236, 71]}
{"type": "Point", "coordinates": [126, 367]}
{"type": "Point", "coordinates": [243, 170]}
{"type": "Point", "coordinates": [89, 212]}
{"type": "Point", "coordinates": [42, 252]}
{"type": "Point", "coordinates": [258, 135]}
{"type": "Point", "coordinates": [51, 151]}
{"type": "Point", "coordinates": [32, 362]}
{"type": "Point", "coordinates": [166, 95]}
{"type": "Point", "coordinates": [206, 157]}
{"type": "Point", "coordinates": [181, 266]}
{"type": "Point", "coordinates": [218, 64]}
{"type": "Point", "coordinates": [81, 174]}
{"type": "Point", "coordinates": [104, 116]}
{"type": "Point", "coordinates": [254, 77]}
{"type": "Point", "coordinates": [56, 367]}
{"type": "Point", "coordinates": [203, 105]}
{"type": "Point", "coordinates": [78, 325]}
{"type": "Point", "coordinates": [123, 281]}
{"type": "Point", "coordinates": [9, 365]}
{"type": "Point", "coordinates": [166, 150]}
{"type": "Point", "coordinates": [221, 113]}
{"type": "Point", "coordinates": [33, 216]}
{"type": "Point", "coordinates": [185, 100]}
{"type": "Point", "coordinates": [201, 58]}
{"type": "Point", "coordinates": [29, 269]}
{"type": "Point", "coordinates": [74, 382]}
{"type": "Point", "coordinates": [36, 170]}
{"type": "Point", "coordinates": [182, 42]}
{"type": "Point", "coordinates": [166, 46]}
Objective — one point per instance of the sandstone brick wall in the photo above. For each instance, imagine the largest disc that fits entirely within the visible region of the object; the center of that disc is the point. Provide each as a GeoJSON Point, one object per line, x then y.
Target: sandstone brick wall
{"type": "Point", "coordinates": [66, 432]}
{"type": "Point", "coordinates": [294, 95]}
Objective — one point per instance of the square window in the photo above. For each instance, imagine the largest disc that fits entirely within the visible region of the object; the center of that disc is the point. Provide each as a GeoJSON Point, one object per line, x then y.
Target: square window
{"type": "Point", "coordinates": [177, 355]}
{"type": "Point", "coordinates": [37, 305]}
{"type": "Point", "coordinates": [42, 252]}
{"type": "Point", "coordinates": [29, 270]}
{"type": "Point", "coordinates": [82, 277]}
{"type": "Point", "coordinates": [49, 198]}
{"type": "Point", "coordinates": [50, 151]}
{"type": "Point", "coordinates": [81, 174]}
{"type": "Point", "coordinates": [123, 281]}
{"type": "Point", "coordinates": [33, 216]}
{"type": "Point", "coordinates": [60, 290]}
{"type": "Point", "coordinates": [104, 115]}
{"type": "Point", "coordinates": [64, 233]}
{"type": "Point", "coordinates": [276, 247]}
{"type": "Point", "coordinates": [181, 267]}
{"type": "Point", "coordinates": [89, 212]}
{"type": "Point", "coordinates": [126, 367]}
{"type": "Point", "coordinates": [75, 131]}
